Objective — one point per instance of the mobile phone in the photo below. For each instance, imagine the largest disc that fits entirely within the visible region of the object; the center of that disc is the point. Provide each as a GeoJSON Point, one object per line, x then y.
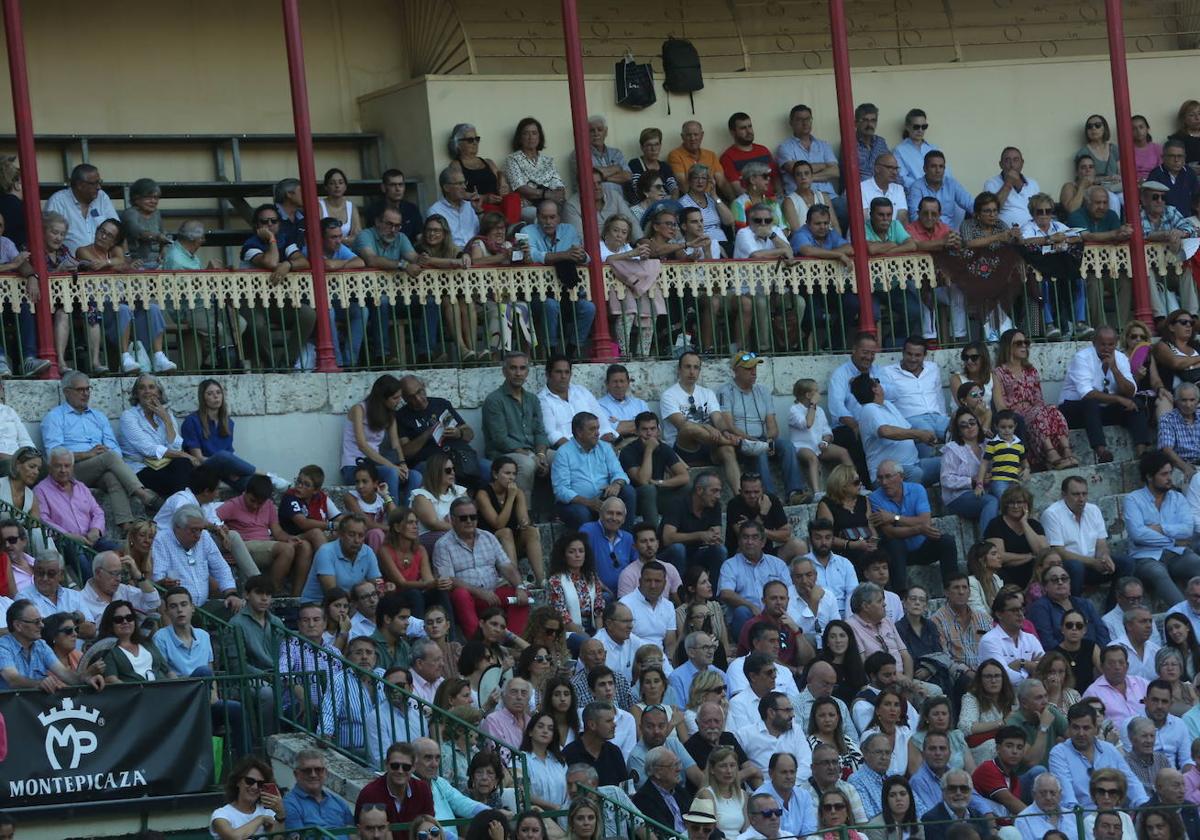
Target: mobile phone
{"type": "Point", "coordinates": [271, 788]}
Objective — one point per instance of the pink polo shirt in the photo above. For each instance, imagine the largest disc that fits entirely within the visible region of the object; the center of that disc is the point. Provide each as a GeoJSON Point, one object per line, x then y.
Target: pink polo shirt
{"type": "Point", "coordinates": [251, 525]}
{"type": "Point", "coordinates": [884, 637]}
{"type": "Point", "coordinates": [74, 513]}
{"type": "Point", "coordinates": [1120, 707]}
{"type": "Point", "coordinates": [917, 231]}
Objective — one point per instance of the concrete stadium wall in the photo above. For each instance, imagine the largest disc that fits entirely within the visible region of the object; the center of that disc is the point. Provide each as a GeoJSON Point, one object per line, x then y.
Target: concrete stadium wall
{"type": "Point", "coordinates": [285, 421]}
{"type": "Point", "coordinates": [975, 109]}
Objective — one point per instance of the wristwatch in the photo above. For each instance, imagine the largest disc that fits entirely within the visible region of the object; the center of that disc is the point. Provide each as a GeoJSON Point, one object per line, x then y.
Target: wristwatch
{"type": "Point", "coordinates": [896, 518]}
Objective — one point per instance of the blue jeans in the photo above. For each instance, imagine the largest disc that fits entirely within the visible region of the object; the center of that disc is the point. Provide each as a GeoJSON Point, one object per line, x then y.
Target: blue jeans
{"type": "Point", "coordinates": [936, 423]}
{"type": "Point", "coordinates": [148, 323]}
{"type": "Point", "coordinates": [926, 471]}
{"type": "Point", "coordinates": [425, 319]}
{"type": "Point", "coordinates": [392, 476]}
{"type": "Point", "coordinates": [738, 619]}
{"type": "Point", "coordinates": [576, 515]}
{"type": "Point", "coordinates": [358, 327]}
{"type": "Point", "coordinates": [581, 312]}
{"type": "Point", "coordinates": [904, 317]}
{"type": "Point", "coordinates": [233, 470]}
{"type": "Point", "coordinates": [789, 465]}
{"type": "Point", "coordinates": [1053, 305]}
{"type": "Point", "coordinates": [231, 711]}
{"type": "Point", "coordinates": [984, 508]}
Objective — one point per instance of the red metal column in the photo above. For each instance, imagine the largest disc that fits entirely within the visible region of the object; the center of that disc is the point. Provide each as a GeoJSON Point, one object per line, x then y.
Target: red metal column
{"type": "Point", "coordinates": [14, 36]}
{"type": "Point", "coordinates": [1120, 83]}
{"type": "Point", "coordinates": [308, 182]}
{"type": "Point", "coordinates": [851, 178]}
{"type": "Point", "coordinates": [604, 348]}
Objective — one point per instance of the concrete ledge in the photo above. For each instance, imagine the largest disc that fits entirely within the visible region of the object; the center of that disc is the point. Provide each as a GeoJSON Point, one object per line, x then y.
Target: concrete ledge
{"type": "Point", "coordinates": [346, 778]}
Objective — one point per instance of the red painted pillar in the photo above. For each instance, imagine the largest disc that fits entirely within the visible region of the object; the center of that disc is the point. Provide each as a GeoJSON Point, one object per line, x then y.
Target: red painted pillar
{"type": "Point", "coordinates": [1132, 197]}
{"type": "Point", "coordinates": [604, 348]}
{"type": "Point", "coordinates": [851, 178]}
{"type": "Point", "coordinates": [14, 36]}
{"type": "Point", "coordinates": [308, 182]}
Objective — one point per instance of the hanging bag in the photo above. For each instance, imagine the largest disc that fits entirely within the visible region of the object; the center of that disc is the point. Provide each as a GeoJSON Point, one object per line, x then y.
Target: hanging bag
{"type": "Point", "coordinates": [681, 69]}
{"type": "Point", "coordinates": [635, 83]}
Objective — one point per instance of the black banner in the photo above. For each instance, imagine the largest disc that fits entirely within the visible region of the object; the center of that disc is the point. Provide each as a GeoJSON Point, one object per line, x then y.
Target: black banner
{"type": "Point", "coordinates": [149, 739]}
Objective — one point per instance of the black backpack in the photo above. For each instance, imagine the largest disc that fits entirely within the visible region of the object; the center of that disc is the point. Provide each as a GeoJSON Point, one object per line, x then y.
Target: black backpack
{"type": "Point", "coordinates": [681, 69]}
{"type": "Point", "coordinates": [635, 83]}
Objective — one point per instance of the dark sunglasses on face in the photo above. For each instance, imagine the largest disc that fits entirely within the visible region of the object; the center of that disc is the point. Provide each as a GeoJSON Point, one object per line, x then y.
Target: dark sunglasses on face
{"type": "Point", "coordinates": [124, 618]}
{"type": "Point", "coordinates": [971, 357]}
{"type": "Point", "coordinates": [68, 631]}
{"type": "Point", "coordinates": [467, 517]}
{"type": "Point", "coordinates": [768, 813]}
{"type": "Point", "coordinates": [400, 765]}
{"type": "Point", "coordinates": [833, 806]}
{"type": "Point", "coordinates": [251, 781]}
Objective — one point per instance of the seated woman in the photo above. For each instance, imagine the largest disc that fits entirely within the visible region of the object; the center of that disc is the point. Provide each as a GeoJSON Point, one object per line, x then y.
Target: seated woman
{"type": "Point", "coordinates": [650, 194]}
{"type": "Point", "coordinates": [634, 269]}
{"type": "Point", "coordinates": [59, 631]}
{"type": "Point", "coordinates": [367, 426]}
{"type": "Point", "coordinates": [574, 589]}
{"type": "Point", "coordinates": [431, 501]}
{"type": "Point", "coordinates": [335, 205]}
{"type": "Point", "coordinates": [756, 180]}
{"type": "Point", "coordinates": [795, 206]}
{"type": "Point", "coordinates": [436, 249]}
{"type": "Point", "coordinates": [1106, 160]}
{"type": "Point", "coordinates": [507, 321]}
{"type": "Point", "coordinates": [487, 186]}
{"type": "Point", "coordinates": [141, 223]}
{"type": "Point", "coordinates": [531, 173]}
{"type": "Point", "coordinates": [150, 441]}
{"type": "Point", "coordinates": [405, 562]}
{"type": "Point", "coordinates": [1152, 393]}
{"type": "Point", "coordinates": [1018, 386]}
{"type": "Point", "coordinates": [825, 726]}
{"type": "Point", "coordinates": [1073, 193]}
{"type": "Point", "coordinates": [107, 253]}
{"type": "Point", "coordinates": [504, 510]}
{"type": "Point", "coordinates": [1057, 255]}
{"type": "Point", "coordinates": [249, 810]}
{"type": "Point", "coordinates": [713, 211]}
{"type": "Point", "coordinates": [128, 657]}
{"type": "Point", "coordinates": [962, 494]}
{"type": "Point", "coordinates": [648, 163]}
{"type": "Point", "coordinates": [988, 267]}
{"type": "Point", "coordinates": [208, 436]}
{"type": "Point", "coordinates": [547, 772]}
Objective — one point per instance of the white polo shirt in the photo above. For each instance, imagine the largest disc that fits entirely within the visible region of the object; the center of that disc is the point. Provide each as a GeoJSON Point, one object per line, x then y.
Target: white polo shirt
{"type": "Point", "coordinates": [736, 674]}
{"type": "Point", "coordinates": [1077, 534]}
{"type": "Point", "coordinates": [895, 194]}
{"type": "Point", "coordinates": [1015, 210]}
{"type": "Point", "coordinates": [1086, 374]}
{"type": "Point", "coordinates": [915, 393]}
{"type": "Point", "coordinates": [650, 622]}
{"type": "Point", "coordinates": [557, 413]}
{"type": "Point", "coordinates": [761, 745]}
{"type": "Point", "coordinates": [998, 645]}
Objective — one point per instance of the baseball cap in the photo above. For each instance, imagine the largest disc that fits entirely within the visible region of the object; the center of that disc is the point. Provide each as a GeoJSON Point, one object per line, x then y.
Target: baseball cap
{"type": "Point", "coordinates": [747, 360]}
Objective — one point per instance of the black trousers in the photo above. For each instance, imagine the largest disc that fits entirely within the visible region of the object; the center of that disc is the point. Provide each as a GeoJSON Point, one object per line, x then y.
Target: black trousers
{"type": "Point", "coordinates": [1093, 415]}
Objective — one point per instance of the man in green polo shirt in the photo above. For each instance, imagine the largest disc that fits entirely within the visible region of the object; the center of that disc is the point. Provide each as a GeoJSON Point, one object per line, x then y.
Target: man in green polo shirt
{"type": "Point", "coordinates": [512, 425]}
{"type": "Point", "coordinates": [391, 623]}
{"type": "Point", "coordinates": [1044, 725]}
{"type": "Point", "coordinates": [1102, 226]}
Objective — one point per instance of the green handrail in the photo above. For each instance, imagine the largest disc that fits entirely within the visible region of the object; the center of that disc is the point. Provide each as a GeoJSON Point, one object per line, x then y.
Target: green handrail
{"type": "Point", "coordinates": [48, 533]}
{"type": "Point", "coordinates": [631, 819]}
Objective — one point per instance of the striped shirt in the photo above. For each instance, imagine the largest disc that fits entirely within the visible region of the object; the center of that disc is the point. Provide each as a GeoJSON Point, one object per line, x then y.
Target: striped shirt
{"type": "Point", "coordinates": [1005, 457]}
{"type": "Point", "coordinates": [1179, 435]}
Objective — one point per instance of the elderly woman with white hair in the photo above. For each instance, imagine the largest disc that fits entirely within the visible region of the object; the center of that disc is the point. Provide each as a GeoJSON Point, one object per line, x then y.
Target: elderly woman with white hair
{"type": "Point", "coordinates": [150, 439]}
{"type": "Point", "coordinates": [141, 222]}
{"type": "Point", "coordinates": [183, 254]}
{"type": "Point", "coordinates": [487, 185]}
{"type": "Point", "coordinates": [756, 178]}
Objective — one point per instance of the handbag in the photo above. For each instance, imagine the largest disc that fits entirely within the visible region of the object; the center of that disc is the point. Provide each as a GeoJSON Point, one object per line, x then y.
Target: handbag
{"type": "Point", "coordinates": [635, 83]}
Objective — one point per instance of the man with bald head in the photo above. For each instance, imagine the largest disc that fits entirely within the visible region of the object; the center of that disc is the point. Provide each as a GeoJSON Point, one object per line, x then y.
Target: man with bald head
{"type": "Point", "coordinates": [712, 732]}
{"type": "Point", "coordinates": [592, 655]}
{"type": "Point", "coordinates": [552, 242]}
{"type": "Point", "coordinates": [885, 183]}
{"type": "Point", "coordinates": [117, 578]}
{"type": "Point", "coordinates": [1169, 789]}
{"type": "Point", "coordinates": [420, 416]}
{"type": "Point", "coordinates": [448, 802]}
{"type": "Point", "coordinates": [1101, 225]}
{"type": "Point", "coordinates": [822, 679]}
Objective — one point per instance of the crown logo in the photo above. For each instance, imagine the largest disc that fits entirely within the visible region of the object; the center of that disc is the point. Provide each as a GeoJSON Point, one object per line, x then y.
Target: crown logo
{"type": "Point", "coordinates": [69, 712]}
{"type": "Point", "coordinates": [79, 742]}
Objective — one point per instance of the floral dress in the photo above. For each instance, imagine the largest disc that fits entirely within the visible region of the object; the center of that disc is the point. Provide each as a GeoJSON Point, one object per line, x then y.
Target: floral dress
{"type": "Point", "coordinates": [591, 600]}
{"type": "Point", "coordinates": [1023, 395]}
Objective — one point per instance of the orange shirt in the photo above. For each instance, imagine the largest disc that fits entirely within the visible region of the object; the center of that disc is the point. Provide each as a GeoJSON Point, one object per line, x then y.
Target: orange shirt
{"type": "Point", "coordinates": [681, 160]}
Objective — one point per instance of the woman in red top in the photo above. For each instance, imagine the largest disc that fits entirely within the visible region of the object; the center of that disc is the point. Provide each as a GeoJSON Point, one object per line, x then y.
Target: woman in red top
{"type": "Point", "coordinates": [404, 562]}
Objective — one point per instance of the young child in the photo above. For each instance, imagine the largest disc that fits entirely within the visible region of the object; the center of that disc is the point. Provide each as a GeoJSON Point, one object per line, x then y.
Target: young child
{"type": "Point", "coordinates": [812, 436]}
{"type": "Point", "coordinates": [370, 498]}
{"type": "Point", "coordinates": [305, 511]}
{"type": "Point", "coordinates": [874, 569]}
{"type": "Point", "coordinates": [1003, 457]}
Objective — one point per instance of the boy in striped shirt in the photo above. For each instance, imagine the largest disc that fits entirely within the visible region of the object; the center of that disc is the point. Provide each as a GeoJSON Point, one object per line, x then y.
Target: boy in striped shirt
{"type": "Point", "coordinates": [1003, 456]}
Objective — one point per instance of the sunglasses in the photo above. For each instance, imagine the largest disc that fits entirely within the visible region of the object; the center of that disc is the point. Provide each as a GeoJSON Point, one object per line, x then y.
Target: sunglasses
{"type": "Point", "coordinates": [541, 658]}
{"type": "Point", "coordinates": [12, 540]}
{"type": "Point", "coordinates": [68, 631]}
{"type": "Point", "coordinates": [432, 831]}
{"type": "Point", "coordinates": [1020, 342]}
{"type": "Point", "coordinates": [124, 618]}
{"type": "Point", "coordinates": [400, 765]}
{"type": "Point", "coordinates": [1105, 791]}
{"type": "Point", "coordinates": [251, 781]}
{"type": "Point", "coordinates": [1073, 625]}
{"type": "Point", "coordinates": [762, 220]}
{"type": "Point", "coordinates": [1044, 211]}
{"type": "Point", "coordinates": [971, 357]}
{"type": "Point", "coordinates": [552, 631]}
{"type": "Point", "coordinates": [958, 788]}
{"type": "Point", "coordinates": [1183, 322]}
{"type": "Point", "coordinates": [768, 813]}
{"type": "Point", "coordinates": [1095, 125]}
{"type": "Point", "coordinates": [467, 517]}
{"type": "Point", "coordinates": [833, 806]}
{"type": "Point", "coordinates": [1156, 196]}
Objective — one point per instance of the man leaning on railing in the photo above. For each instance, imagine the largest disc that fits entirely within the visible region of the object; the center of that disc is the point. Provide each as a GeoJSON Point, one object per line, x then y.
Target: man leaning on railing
{"type": "Point", "coordinates": [28, 662]}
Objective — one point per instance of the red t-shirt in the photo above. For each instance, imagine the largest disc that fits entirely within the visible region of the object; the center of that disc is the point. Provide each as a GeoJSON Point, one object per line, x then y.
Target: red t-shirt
{"type": "Point", "coordinates": [733, 159]}
{"type": "Point", "coordinates": [990, 778]}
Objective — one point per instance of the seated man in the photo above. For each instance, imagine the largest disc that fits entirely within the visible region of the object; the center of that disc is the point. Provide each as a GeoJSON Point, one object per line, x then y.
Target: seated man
{"type": "Point", "coordinates": [109, 571]}
{"type": "Point", "coordinates": [882, 671]}
{"type": "Point", "coordinates": [611, 537]}
{"type": "Point", "coordinates": [560, 245]}
{"type": "Point", "coordinates": [1101, 225]}
{"type": "Point", "coordinates": [744, 575]}
{"type": "Point", "coordinates": [752, 503]}
{"type": "Point", "coordinates": [512, 424]}
{"type": "Point", "coordinates": [86, 434]}
{"type": "Point", "coordinates": [655, 471]}
{"type": "Point", "coordinates": [903, 518]}
{"type": "Point", "coordinates": [691, 528]}
{"type": "Point", "coordinates": [176, 563]}
{"type": "Point", "coordinates": [873, 630]}
{"type": "Point", "coordinates": [270, 249]}
{"type": "Point", "coordinates": [914, 387]}
{"type": "Point", "coordinates": [906, 313]}
{"type": "Point", "coordinates": [608, 162]}
{"type": "Point", "coordinates": [1007, 643]}
{"type": "Point", "coordinates": [586, 472]}
{"type": "Point", "coordinates": [385, 247]}
{"type": "Point", "coordinates": [619, 407]}
{"type": "Point", "coordinates": [1077, 760]}
{"type": "Point", "coordinates": [774, 636]}
{"type": "Point", "coordinates": [956, 807]}
{"type": "Point", "coordinates": [814, 606]}
{"type": "Point", "coordinates": [1122, 693]}
{"type": "Point", "coordinates": [691, 152]}
{"type": "Point", "coordinates": [606, 203]}
{"type": "Point", "coordinates": [751, 415]}
{"type": "Point", "coordinates": [1012, 188]}
{"type": "Point", "coordinates": [885, 183]}
{"type": "Point", "coordinates": [455, 207]}
{"type": "Point", "coordinates": [954, 202]}
{"type": "Point", "coordinates": [930, 233]}
{"type": "Point", "coordinates": [744, 151]}
{"type": "Point", "coordinates": [749, 310]}
{"type": "Point", "coordinates": [1177, 176]}
{"type": "Point", "coordinates": [561, 402]}
{"type": "Point", "coordinates": [85, 204]}
{"type": "Point", "coordinates": [1158, 523]}
{"type": "Point", "coordinates": [201, 491]}
{"type": "Point", "coordinates": [651, 614]}
{"type": "Point", "coordinates": [216, 321]}
{"type": "Point", "coordinates": [255, 519]}
{"type": "Point", "coordinates": [888, 436]}
{"type": "Point", "coordinates": [1048, 611]}
{"type": "Point", "coordinates": [1098, 390]}
{"type": "Point", "coordinates": [50, 596]}
{"type": "Point", "coordinates": [1076, 529]}
{"type": "Point", "coordinates": [308, 804]}
{"type": "Point", "coordinates": [477, 563]}
{"type": "Point", "coordinates": [832, 313]}
{"type": "Point", "coordinates": [1178, 432]}
{"type": "Point", "coordinates": [694, 421]}
{"type": "Point", "coordinates": [393, 186]}
{"type": "Point", "coordinates": [338, 256]}
{"type": "Point", "coordinates": [1166, 225]}
{"type": "Point", "coordinates": [343, 562]}
{"type": "Point", "coordinates": [423, 419]}
{"type": "Point", "coordinates": [997, 780]}
{"type": "Point", "coordinates": [646, 545]}
{"type": "Point", "coordinates": [26, 661]}
{"type": "Point", "coordinates": [699, 647]}
{"type": "Point", "coordinates": [68, 505]}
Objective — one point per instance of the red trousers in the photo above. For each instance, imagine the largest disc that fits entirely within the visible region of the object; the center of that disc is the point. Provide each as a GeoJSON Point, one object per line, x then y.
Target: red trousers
{"type": "Point", "coordinates": [467, 609]}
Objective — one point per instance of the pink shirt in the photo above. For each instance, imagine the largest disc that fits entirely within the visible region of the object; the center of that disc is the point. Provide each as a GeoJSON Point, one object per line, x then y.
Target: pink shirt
{"type": "Point", "coordinates": [885, 637]}
{"type": "Point", "coordinates": [917, 231]}
{"type": "Point", "coordinates": [74, 513]}
{"type": "Point", "coordinates": [1120, 707]}
{"type": "Point", "coordinates": [250, 525]}
{"type": "Point", "coordinates": [1191, 785]}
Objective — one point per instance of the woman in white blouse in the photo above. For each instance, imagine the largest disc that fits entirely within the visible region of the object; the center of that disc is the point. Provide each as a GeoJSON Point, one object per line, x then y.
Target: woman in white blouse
{"type": "Point", "coordinates": [530, 172]}
{"type": "Point", "coordinates": [150, 440]}
{"type": "Point", "coordinates": [890, 712]}
{"type": "Point", "coordinates": [547, 772]}
{"type": "Point", "coordinates": [722, 784]}
{"type": "Point", "coordinates": [431, 501]}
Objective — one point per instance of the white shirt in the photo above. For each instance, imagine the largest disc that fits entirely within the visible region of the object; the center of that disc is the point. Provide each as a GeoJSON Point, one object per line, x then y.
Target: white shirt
{"type": "Point", "coordinates": [69, 600]}
{"type": "Point", "coordinates": [463, 221]}
{"type": "Point", "coordinates": [557, 413]}
{"type": "Point", "coordinates": [360, 625]}
{"type": "Point", "coordinates": [13, 434]}
{"type": "Point", "coordinates": [620, 657]}
{"type": "Point", "coordinates": [81, 229]}
{"type": "Point", "coordinates": [838, 576]}
{"type": "Point", "coordinates": [899, 763]}
{"type": "Point", "coordinates": [1085, 374]}
{"type": "Point", "coordinates": [92, 605]}
{"type": "Point", "coordinates": [915, 394]}
{"type": "Point", "coordinates": [743, 716]}
{"type": "Point", "coordinates": [186, 497]}
{"type": "Point", "coordinates": [813, 624]}
{"type": "Point", "coordinates": [1114, 620]}
{"type": "Point", "coordinates": [762, 745]}
{"type": "Point", "coordinates": [803, 435]}
{"type": "Point", "coordinates": [998, 645]}
{"type": "Point", "coordinates": [696, 407]}
{"type": "Point", "coordinates": [895, 194]}
{"type": "Point", "coordinates": [651, 622]}
{"type": "Point", "coordinates": [746, 242]}
{"type": "Point", "coordinates": [1015, 210]}
{"type": "Point", "coordinates": [1077, 534]}
{"type": "Point", "coordinates": [1033, 824]}
{"type": "Point", "coordinates": [1193, 499]}
{"type": "Point", "coordinates": [736, 675]}
{"type": "Point", "coordinates": [1140, 666]}
{"type": "Point", "coordinates": [617, 411]}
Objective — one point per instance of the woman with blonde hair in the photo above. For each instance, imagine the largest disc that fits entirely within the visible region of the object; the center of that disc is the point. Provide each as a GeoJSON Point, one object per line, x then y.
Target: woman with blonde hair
{"type": "Point", "coordinates": [1018, 385]}
{"type": "Point", "coordinates": [706, 686]}
{"type": "Point", "coordinates": [1056, 674]}
{"type": "Point", "coordinates": [1152, 392]}
{"type": "Point", "coordinates": [583, 820]}
{"type": "Point", "coordinates": [853, 535]}
{"type": "Point", "coordinates": [728, 795]}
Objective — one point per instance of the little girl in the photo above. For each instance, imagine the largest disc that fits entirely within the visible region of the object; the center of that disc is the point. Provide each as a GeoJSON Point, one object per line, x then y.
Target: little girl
{"type": "Point", "coordinates": [370, 498]}
{"type": "Point", "coordinates": [1003, 456]}
{"type": "Point", "coordinates": [812, 436]}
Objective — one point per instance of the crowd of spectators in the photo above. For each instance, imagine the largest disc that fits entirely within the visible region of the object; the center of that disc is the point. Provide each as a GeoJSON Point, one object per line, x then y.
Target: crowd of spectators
{"type": "Point", "coordinates": [747, 202]}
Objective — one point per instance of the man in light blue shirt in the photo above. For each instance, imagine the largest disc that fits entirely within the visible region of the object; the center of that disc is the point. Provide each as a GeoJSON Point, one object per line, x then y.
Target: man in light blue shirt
{"type": "Point", "coordinates": [888, 436]}
{"type": "Point", "coordinates": [904, 519]}
{"type": "Point", "coordinates": [956, 201]}
{"type": "Point", "coordinates": [744, 575]}
{"type": "Point", "coordinates": [343, 562]}
{"type": "Point", "coordinates": [449, 803]}
{"type": "Point", "coordinates": [611, 540]}
{"type": "Point", "coordinates": [926, 783]}
{"type": "Point", "coordinates": [1172, 737]}
{"type": "Point", "coordinates": [799, 811]}
{"type": "Point", "coordinates": [844, 408]}
{"type": "Point", "coordinates": [551, 243]}
{"type": "Point", "coordinates": [26, 661]}
{"type": "Point", "coordinates": [803, 146]}
{"type": "Point", "coordinates": [699, 647]}
{"type": "Point", "coordinates": [834, 572]}
{"type": "Point", "coordinates": [455, 207]}
{"type": "Point", "coordinates": [1158, 522]}
{"type": "Point", "coordinates": [585, 472]}
{"type": "Point", "coordinates": [308, 804]}
{"type": "Point", "coordinates": [621, 406]}
{"type": "Point", "coordinates": [1074, 760]}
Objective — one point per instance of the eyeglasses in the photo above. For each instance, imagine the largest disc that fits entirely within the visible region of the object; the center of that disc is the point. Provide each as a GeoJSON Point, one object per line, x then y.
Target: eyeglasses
{"type": "Point", "coordinates": [68, 631]}
{"type": "Point", "coordinates": [1095, 125]}
{"type": "Point", "coordinates": [469, 139]}
{"type": "Point", "coordinates": [1183, 322]}
{"type": "Point", "coordinates": [251, 781]}
{"type": "Point", "coordinates": [271, 221]}
{"type": "Point", "coordinates": [766, 220]}
{"type": "Point", "coordinates": [768, 813]}
{"type": "Point", "coordinates": [432, 831]}
{"type": "Point", "coordinates": [123, 618]}
{"type": "Point", "coordinates": [400, 765]}
{"type": "Point", "coordinates": [1073, 625]}
{"type": "Point", "coordinates": [47, 573]}
{"type": "Point", "coordinates": [1156, 196]}
{"type": "Point", "coordinates": [541, 658]}
{"type": "Point", "coordinates": [311, 771]}
{"type": "Point", "coordinates": [12, 540]}
{"type": "Point", "coordinates": [958, 788]}
{"type": "Point", "coordinates": [467, 517]}
{"type": "Point", "coordinates": [971, 357]}
{"type": "Point", "coordinates": [1044, 211]}
{"type": "Point", "coordinates": [1057, 579]}
{"type": "Point", "coordinates": [833, 806]}
{"type": "Point", "coordinates": [1020, 342]}
{"type": "Point", "coordinates": [1107, 791]}
{"type": "Point", "coordinates": [552, 631]}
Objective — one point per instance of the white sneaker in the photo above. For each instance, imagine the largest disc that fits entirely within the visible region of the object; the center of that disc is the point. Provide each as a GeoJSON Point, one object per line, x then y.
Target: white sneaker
{"type": "Point", "coordinates": [750, 446]}
{"type": "Point", "coordinates": [5, 370]}
{"type": "Point", "coordinates": [129, 364]}
{"type": "Point", "coordinates": [161, 363]}
{"type": "Point", "coordinates": [278, 482]}
{"type": "Point", "coordinates": [32, 366]}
